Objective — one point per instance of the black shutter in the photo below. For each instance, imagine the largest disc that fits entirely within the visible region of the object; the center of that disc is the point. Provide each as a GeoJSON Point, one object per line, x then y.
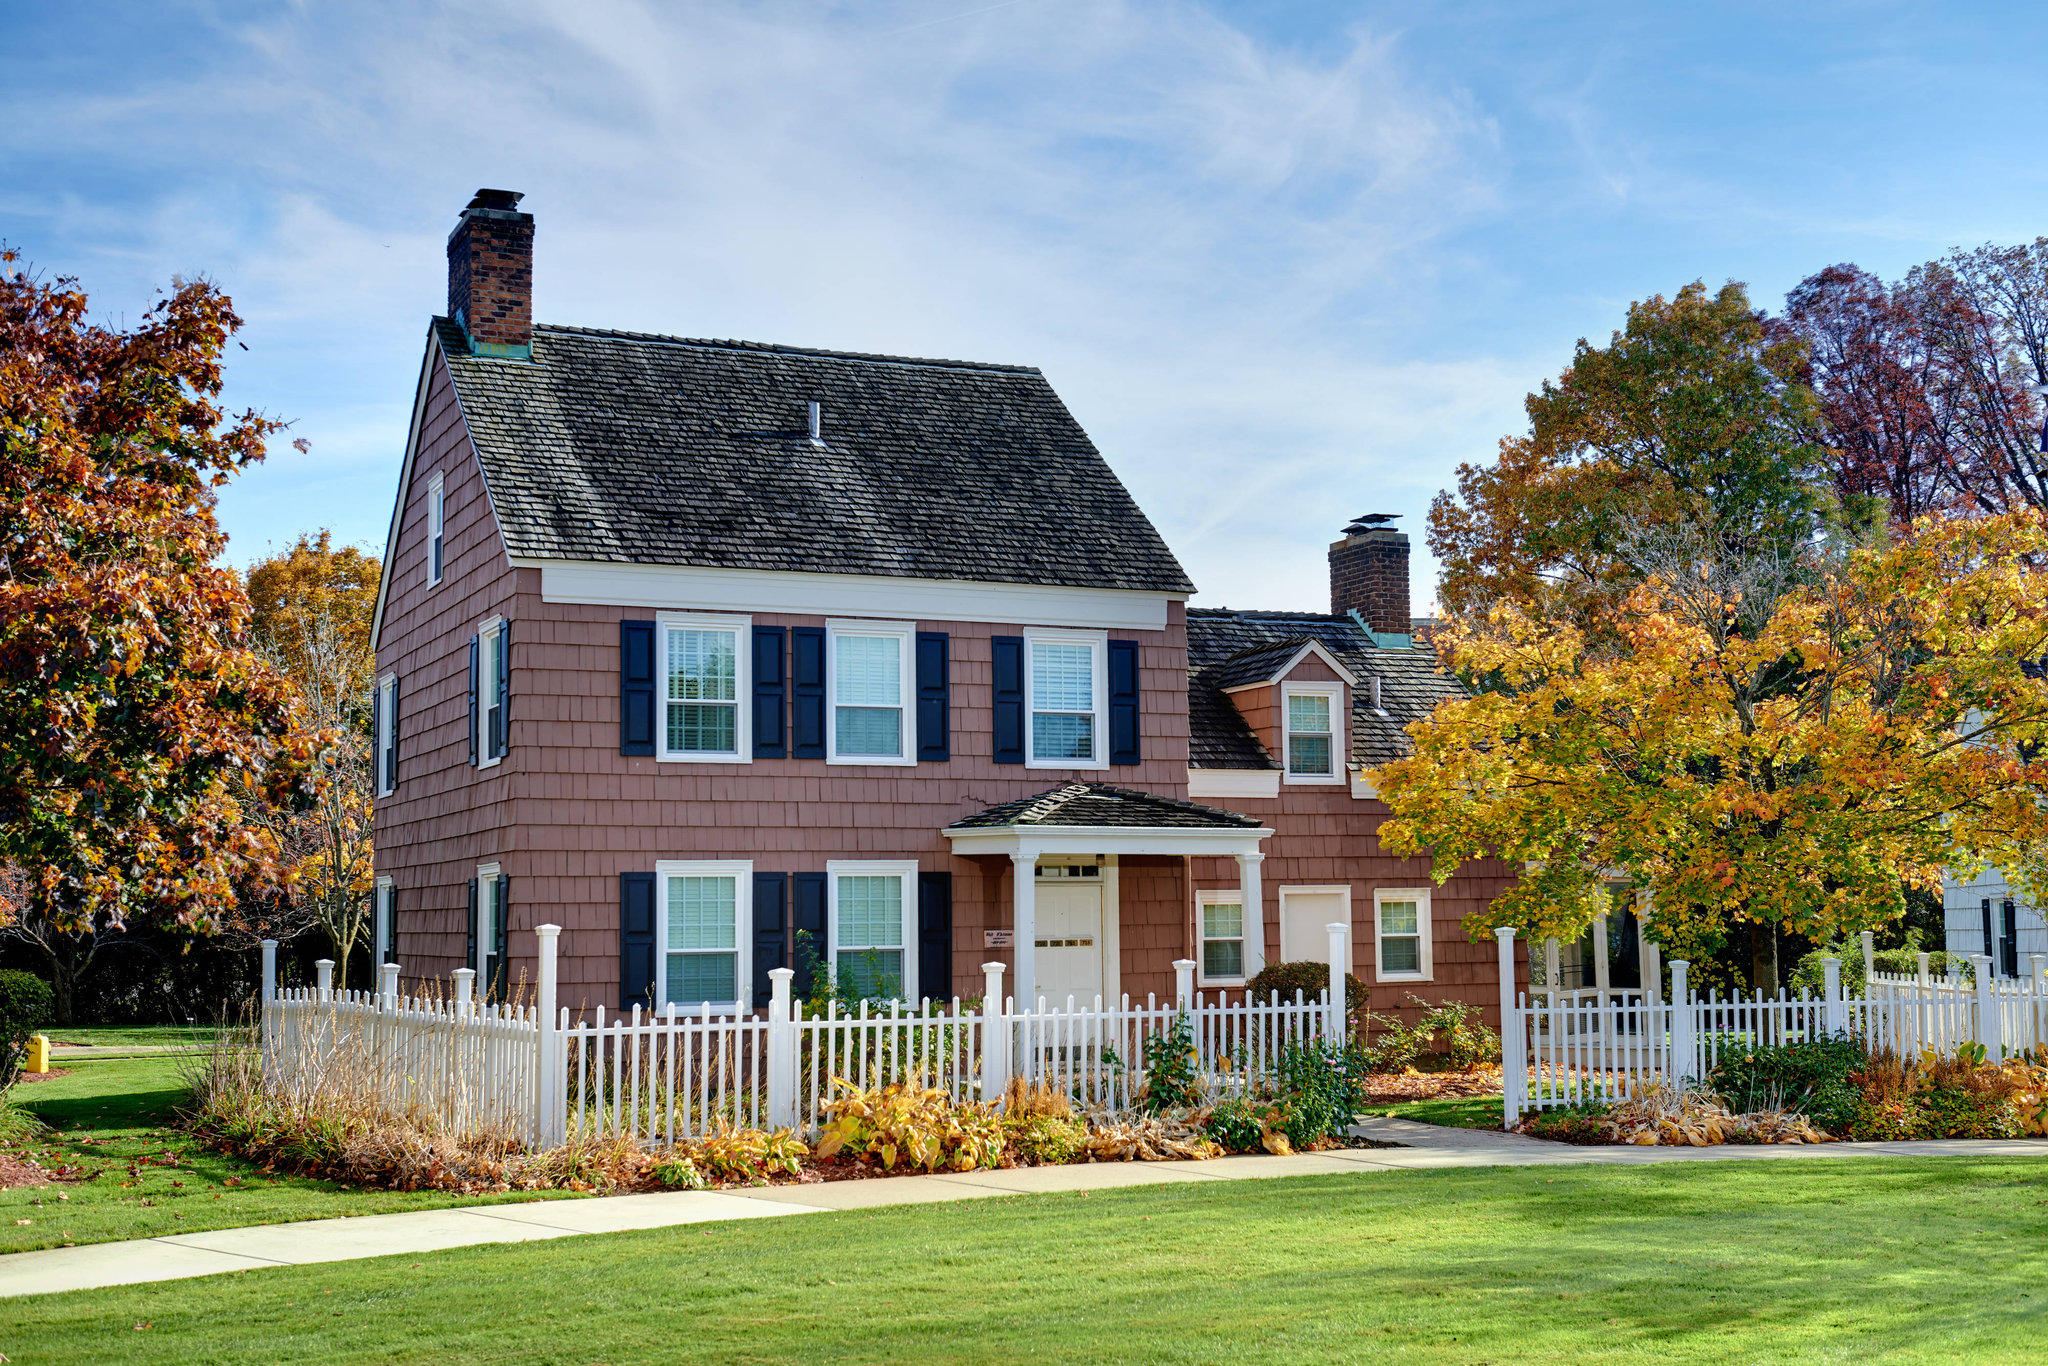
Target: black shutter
{"type": "Point", "coordinates": [389, 948]}
{"type": "Point", "coordinates": [391, 770]}
{"type": "Point", "coordinates": [501, 730]}
{"type": "Point", "coordinates": [475, 644]}
{"type": "Point", "coordinates": [770, 688]}
{"type": "Point", "coordinates": [2008, 940]}
{"type": "Point", "coordinates": [808, 895]}
{"type": "Point", "coordinates": [469, 957]}
{"type": "Point", "coordinates": [1009, 697]}
{"type": "Point", "coordinates": [1123, 702]}
{"type": "Point", "coordinates": [935, 935]}
{"type": "Point", "coordinates": [771, 934]}
{"type": "Point", "coordinates": [636, 689]}
{"type": "Point", "coordinates": [636, 940]}
{"type": "Point", "coordinates": [501, 934]}
{"type": "Point", "coordinates": [934, 699]}
{"type": "Point", "coordinates": [1987, 926]}
{"type": "Point", "coordinates": [377, 784]}
{"type": "Point", "coordinates": [807, 692]}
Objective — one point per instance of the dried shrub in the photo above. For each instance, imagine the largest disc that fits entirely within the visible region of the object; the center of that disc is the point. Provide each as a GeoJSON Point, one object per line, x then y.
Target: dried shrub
{"type": "Point", "coordinates": [1165, 1136]}
{"type": "Point", "coordinates": [903, 1124]}
{"type": "Point", "coordinates": [1665, 1115]}
{"type": "Point", "coordinates": [751, 1156]}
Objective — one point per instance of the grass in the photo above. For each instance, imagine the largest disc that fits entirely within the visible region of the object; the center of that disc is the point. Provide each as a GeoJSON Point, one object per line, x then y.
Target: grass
{"type": "Point", "coordinates": [113, 1116]}
{"type": "Point", "coordinates": [134, 1036]}
{"type": "Point", "coordinates": [1461, 1112]}
{"type": "Point", "coordinates": [1838, 1261]}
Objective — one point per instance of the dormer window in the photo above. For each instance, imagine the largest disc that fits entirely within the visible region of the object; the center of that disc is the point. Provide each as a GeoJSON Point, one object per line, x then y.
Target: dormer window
{"type": "Point", "coordinates": [1313, 739]}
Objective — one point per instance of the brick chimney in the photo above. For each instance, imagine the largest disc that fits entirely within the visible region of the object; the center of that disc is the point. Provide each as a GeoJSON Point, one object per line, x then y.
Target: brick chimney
{"type": "Point", "coordinates": [490, 275]}
{"type": "Point", "coordinates": [1369, 574]}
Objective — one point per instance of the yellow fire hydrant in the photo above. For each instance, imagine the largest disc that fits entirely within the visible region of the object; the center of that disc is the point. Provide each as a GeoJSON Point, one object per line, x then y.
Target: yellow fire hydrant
{"type": "Point", "coordinates": [38, 1053]}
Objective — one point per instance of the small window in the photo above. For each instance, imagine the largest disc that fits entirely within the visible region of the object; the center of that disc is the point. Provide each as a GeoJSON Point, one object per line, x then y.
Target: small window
{"type": "Point", "coordinates": [383, 942]}
{"type": "Point", "coordinates": [490, 910]}
{"type": "Point", "coordinates": [436, 523]}
{"type": "Point", "coordinates": [1313, 732]}
{"type": "Point", "coordinates": [1220, 920]}
{"type": "Point", "coordinates": [1402, 928]}
{"type": "Point", "coordinates": [386, 750]}
{"type": "Point", "coordinates": [1065, 687]}
{"type": "Point", "coordinates": [703, 909]}
{"type": "Point", "coordinates": [704, 665]}
{"type": "Point", "coordinates": [490, 702]}
{"type": "Point", "coordinates": [873, 931]}
{"type": "Point", "coordinates": [870, 682]}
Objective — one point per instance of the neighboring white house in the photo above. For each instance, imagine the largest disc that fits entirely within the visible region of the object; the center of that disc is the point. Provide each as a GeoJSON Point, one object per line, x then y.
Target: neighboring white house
{"type": "Point", "coordinates": [1991, 916]}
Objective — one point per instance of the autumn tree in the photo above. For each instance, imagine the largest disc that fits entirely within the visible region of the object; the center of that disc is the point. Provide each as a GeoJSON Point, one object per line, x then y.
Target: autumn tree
{"type": "Point", "coordinates": [1788, 741]}
{"type": "Point", "coordinates": [314, 595]}
{"type": "Point", "coordinates": [137, 721]}
{"type": "Point", "coordinates": [1695, 413]}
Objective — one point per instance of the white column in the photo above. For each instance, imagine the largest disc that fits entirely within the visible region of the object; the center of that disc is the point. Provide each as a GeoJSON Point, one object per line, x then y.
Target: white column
{"type": "Point", "coordinates": [1869, 957]}
{"type": "Point", "coordinates": [1684, 1042]}
{"type": "Point", "coordinates": [1651, 957]}
{"type": "Point", "coordinates": [995, 1034]}
{"type": "Point", "coordinates": [550, 1077]}
{"type": "Point", "coordinates": [782, 1067]}
{"type": "Point", "coordinates": [1513, 1033]}
{"type": "Point", "coordinates": [1334, 1022]}
{"type": "Point", "coordinates": [1254, 898]}
{"type": "Point", "coordinates": [1831, 991]}
{"type": "Point", "coordinates": [323, 977]}
{"type": "Point", "coordinates": [1024, 927]}
{"type": "Point", "coordinates": [1552, 967]}
{"type": "Point", "coordinates": [1990, 1027]}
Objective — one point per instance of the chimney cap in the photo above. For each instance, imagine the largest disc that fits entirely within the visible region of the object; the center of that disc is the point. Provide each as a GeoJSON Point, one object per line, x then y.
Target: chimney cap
{"type": "Point", "coordinates": [1370, 521]}
{"type": "Point", "coordinates": [503, 200]}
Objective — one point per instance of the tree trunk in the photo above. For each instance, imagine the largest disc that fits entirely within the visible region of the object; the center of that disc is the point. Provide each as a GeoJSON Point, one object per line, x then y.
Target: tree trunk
{"type": "Point", "coordinates": [1763, 958]}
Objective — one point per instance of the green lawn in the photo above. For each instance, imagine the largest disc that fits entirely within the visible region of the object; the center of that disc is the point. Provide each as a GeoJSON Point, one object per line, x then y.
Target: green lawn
{"type": "Point", "coordinates": [123, 1036]}
{"type": "Point", "coordinates": [113, 1116]}
{"type": "Point", "coordinates": [1463, 1112]}
{"type": "Point", "coordinates": [1855, 1260]}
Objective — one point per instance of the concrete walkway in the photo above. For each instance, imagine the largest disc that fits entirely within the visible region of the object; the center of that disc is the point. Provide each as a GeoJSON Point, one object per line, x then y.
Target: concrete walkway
{"type": "Point", "coordinates": [379, 1235]}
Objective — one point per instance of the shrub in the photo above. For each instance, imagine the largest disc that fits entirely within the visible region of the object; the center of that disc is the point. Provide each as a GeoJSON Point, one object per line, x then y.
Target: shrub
{"type": "Point", "coordinates": [749, 1155]}
{"type": "Point", "coordinates": [1573, 1124]}
{"type": "Point", "coordinates": [1172, 1072]}
{"type": "Point", "coordinates": [1887, 1119]}
{"type": "Point", "coordinates": [1321, 1090]}
{"type": "Point", "coordinates": [1962, 1112]}
{"type": "Point", "coordinates": [1238, 1125]}
{"type": "Point", "coordinates": [1452, 1030]}
{"type": "Point", "coordinates": [1310, 978]}
{"type": "Point", "coordinates": [25, 1003]}
{"type": "Point", "coordinates": [1045, 1140]}
{"type": "Point", "coordinates": [675, 1172]}
{"type": "Point", "coordinates": [1811, 1077]}
{"type": "Point", "coordinates": [908, 1125]}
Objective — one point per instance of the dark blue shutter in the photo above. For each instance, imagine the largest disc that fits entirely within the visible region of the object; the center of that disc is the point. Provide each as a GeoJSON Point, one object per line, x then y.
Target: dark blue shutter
{"type": "Point", "coordinates": [1987, 925]}
{"type": "Point", "coordinates": [2008, 940]}
{"type": "Point", "coordinates": [1009, 699]}
{"type": "Point", "coordinates": [1123, 702]}
{"type": "Point", "coordinates": [636, 940]}
{"type": "Point", "coordinates": [807, 893]}
{"type": "Point", "coordinates": [935, 935]}
{"type": "Point", "coordinates": [501, 934]}
{"type": "Point", "coordinates": [771, 932]}
{"type": "Point", "coordinates": [469, 955]}
{"type": "Point", "coordinates": [636, 689]}
{"type": "Point", "coordinates": [377, 736]}
{"type": "Point", "coordinates": [934, 699]}
{"type": "Point", "coordinates": [391, 760]}
{"type": "Point", "coordinates": [501, 729]}
{"type": "Point", "coordinates": [807, 692]}
{"type": "Point", "coordinates": [475, 644]}
{"type": "Point", "coordinates": [389, 947]}
{"type": "Point", "coordinates": [770, 688]}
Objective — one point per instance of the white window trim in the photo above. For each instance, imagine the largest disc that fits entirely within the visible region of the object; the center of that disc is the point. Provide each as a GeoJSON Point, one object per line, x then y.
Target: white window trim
{"type": "Point", "coordinates": [1230, 896]}
{"type": "Point", "coordinates": [1321, 953]}
{"type": "Point", "coordinates": [903, 868]}
{"type": "Point", "coordinates": [1339, 739]}
{"type": "Point", "coordinates": [487, 875]}
{"type": "Point", "coordinates": [742, 872]}
{"type": "Point", "coordinates": [1098, 641]}
{"type": "Point", "coordinates": [380, 924]}
{"type": "Point", "coordinates": [387, 727]}
{"type": "Point", "coordinates": [905, 635]}
{"type": "Point", "coordinates": [487, 691]}
{"type": "Point", "coordinates": [1425, 950]}
{"type": "Point", "coordinates": [437, 529]}
{"type": "Point", "coordinates": [743, 685]}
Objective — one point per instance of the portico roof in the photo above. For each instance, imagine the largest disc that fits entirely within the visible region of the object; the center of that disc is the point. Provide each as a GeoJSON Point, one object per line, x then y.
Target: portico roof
{"type": "Point", "coordinates": [1082, 818]}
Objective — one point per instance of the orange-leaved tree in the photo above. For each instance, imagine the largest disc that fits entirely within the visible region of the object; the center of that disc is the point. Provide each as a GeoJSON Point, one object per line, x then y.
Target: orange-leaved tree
{"type": "Point", "coordinates": [1788, 739]}
{"type": "Point", "coordinates": [136, 722]}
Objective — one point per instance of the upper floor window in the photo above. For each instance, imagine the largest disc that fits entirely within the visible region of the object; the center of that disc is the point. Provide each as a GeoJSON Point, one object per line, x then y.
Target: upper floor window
{"type": "Point", "coordinates": [436, 523]}
{"type": "Point", "coordinates": [870, 681]}
{"type": "Point", "coordinates": [1064, 686]}
{"type": "Point", "coordinates": [1314, 728]}
{"type": "Point", "coordinates": [704, 664]}
{"type": "Point", "coordinates": [386, 751]}
{"type": "Point", "coordinates": [490, 695]}
{"type": "Point", "coordinates": [873, 926]}
{"type": "Point", "coordinates": [703, 907]}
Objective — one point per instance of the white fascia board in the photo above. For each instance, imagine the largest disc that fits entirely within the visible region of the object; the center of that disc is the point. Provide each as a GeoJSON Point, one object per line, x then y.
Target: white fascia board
{"type": "Point", "coordinates": [1109, 839]}
{"type": "Point", "coordinates": [1233, 782]}
{"type": "Point", "coordinates": [1361, 785]}
{"type": "Point", "coordinates": [602, 584]}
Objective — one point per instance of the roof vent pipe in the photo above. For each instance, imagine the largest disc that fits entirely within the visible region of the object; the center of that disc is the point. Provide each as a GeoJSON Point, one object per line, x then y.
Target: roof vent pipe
{"type": "Point", "coordinates": [817, 423]}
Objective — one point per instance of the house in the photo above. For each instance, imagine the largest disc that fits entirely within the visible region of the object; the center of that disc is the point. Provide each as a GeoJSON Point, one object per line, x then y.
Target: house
{"type": "Point", "coordinates": [1992, 916]}
{"type": "Point", "coordinates": [727, 656]}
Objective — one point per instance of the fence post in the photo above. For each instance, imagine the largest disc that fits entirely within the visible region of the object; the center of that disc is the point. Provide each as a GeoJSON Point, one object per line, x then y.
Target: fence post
{"type": "Point", "coordinates": [995, 1034]}
{"type": "Point", "coordinates": [1336, 1025]}
{"type": "Point", "coordinates": [263, 1039]}
{"type": "Point", "coordinates": [781, 1050]}
{"type": "Point", "coordinates": [549, 1086]}
{"type": "Point", "coordinates": [1184, 984]}
{"type": "Point", "coordinates": [1831, 984]}
{"type": "Point", "coordinates": [1869, 957]}
{"type": "Point", "coordinates": [269, 971]}
{"type": "Point", "coordinates": [1514, 1079]}
{"type": "Point", "coordinates": [465, 989]}
{"type": "Point", "coordinates": [323, 977]}
{"type": "Point", "coordinates": [1685, 1048]}
{"type": "Point", "coordinates": [1990, 1030]}
{"type": "Point", "coordinates": [387, 985]}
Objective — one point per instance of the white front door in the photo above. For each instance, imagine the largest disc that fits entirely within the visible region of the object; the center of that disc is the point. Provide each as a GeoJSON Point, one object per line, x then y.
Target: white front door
{"type": "Point", "coordinates": [1306, 914]}
{"type": "Point", "coordinates": [1069, 941]}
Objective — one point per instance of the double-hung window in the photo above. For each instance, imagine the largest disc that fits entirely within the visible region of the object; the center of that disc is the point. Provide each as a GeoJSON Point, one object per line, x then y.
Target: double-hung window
{"type": "Point", "coordinates": [490, 701]}
{"type": "Point", "coordinates": [1219, 920]}
{"type": "Point", "coordinates": [704, 671]}
{"type": "Point", "coordinates": [383, 941]}
{"type": "Point", "coordinates": [1064, 688]}
{"type": "Point", "coordinates": [436, 528]}
{"type": "Point", "coordinates": [870, 678]}
{"type": "Point", "coordinates": [386, 745]}
{"type": "Point", "coordinates": [1313, 713]}
{"type": "Point", "coordinates": [490, 920]}
{"type": "Point", "coordinates": [1401, 926]}
{"type": "Point", "coordinates": [873, 927]}
{"type": "Point", "coordinates": [700, 920]}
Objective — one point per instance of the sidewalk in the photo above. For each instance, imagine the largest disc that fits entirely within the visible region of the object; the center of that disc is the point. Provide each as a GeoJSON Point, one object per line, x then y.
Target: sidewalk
{"type": "Point", "coordinates": [380, 1235]}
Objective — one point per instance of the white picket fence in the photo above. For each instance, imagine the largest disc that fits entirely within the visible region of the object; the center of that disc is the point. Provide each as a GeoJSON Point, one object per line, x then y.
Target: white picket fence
{"type": "Point", "coordinates": [1563, 1048]}
{"type": "Point", "coordinates": [659, 1077]}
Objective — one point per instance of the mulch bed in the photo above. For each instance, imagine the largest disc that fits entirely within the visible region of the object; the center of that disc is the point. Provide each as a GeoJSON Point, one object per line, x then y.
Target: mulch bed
{"type": "Point", "coordinates": [15, 1172]}
{"type": "Point", "coordinates": [1392, 1088]}
{"type": "Point", "coordinates": [26, 1077]}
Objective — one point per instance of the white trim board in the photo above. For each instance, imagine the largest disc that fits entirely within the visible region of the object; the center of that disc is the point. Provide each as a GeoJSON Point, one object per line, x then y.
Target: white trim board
{"type": "Point", "coordinates": [1107, 839]}
{"type": "Point", "coordinates": [1233, 782]}
{"type": "Point", "coordinates": [600, 584]}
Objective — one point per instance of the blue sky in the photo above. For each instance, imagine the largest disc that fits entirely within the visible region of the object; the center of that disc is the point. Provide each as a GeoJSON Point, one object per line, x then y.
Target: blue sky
{"type": "Point", "coordinates": [1286, 262]}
